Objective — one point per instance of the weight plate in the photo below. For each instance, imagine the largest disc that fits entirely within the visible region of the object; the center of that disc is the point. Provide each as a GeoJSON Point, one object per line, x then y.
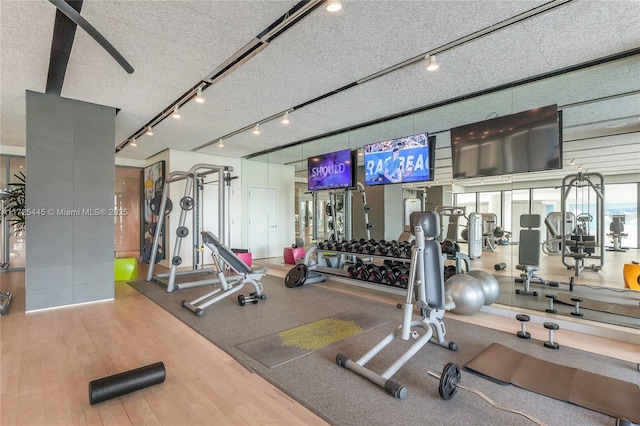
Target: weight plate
{"type": "Point", "coordinates": [296, 276]}
{"type": "Point", "coordinates": [186, 203]}
{"type": "Point", "coordinates": [182, 231]}
{"type": "Point", "coordinates": [449, 381]}
{"type": "Point", "coordinates": [155, 202]}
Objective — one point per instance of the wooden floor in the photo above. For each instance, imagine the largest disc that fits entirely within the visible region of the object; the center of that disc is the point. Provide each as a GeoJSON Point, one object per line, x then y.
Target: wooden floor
{"type": "Point", "coordinates": [552, 267]}
{"type": "Point", "coordinates": [48, 358]}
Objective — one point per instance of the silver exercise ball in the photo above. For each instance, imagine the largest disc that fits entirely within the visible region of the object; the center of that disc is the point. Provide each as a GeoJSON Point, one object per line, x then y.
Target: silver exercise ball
{"type": "Point", "coordinates": [489, 284]}
{"type": "Point", "coordinates": [466, 292]}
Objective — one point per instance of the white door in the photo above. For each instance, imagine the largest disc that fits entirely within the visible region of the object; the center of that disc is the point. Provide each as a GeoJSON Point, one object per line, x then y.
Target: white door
{"type": "Point", "coordinates": [263, 222]}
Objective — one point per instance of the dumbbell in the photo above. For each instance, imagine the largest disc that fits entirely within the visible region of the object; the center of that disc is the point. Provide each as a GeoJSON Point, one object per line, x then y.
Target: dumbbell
{"type": "Point", "coordinates": [523, 334]}
{"type": "Point", "coordinates": [402, 277]}
{"type": "Point", "coordinates": [551, 326]}
{"type": "Point", "coordinates": [449, 271]}
{"type": "Point", "coordinates": [384, 249]}
{"type": "Point", "coordinates": [374, 274]}
{"type": "Point", "coordinates": [352, 271]}
{"type": "Point", "coordinates": [500, 266]}
{"type": "Point", "coordinates": [369, 268]}
{"type": "Point", "coordinates": [390, 277]}
{"type": "Point", "coordinates": [355, 270]}
{"type": "Point", "coordinates": [552, 298]}
{"type": "Point", "coordinates": [577, 301]}
{"type": "Point", "coordinates": [384, 270]}
{"type": "Point", "coordinates": [370, 248]}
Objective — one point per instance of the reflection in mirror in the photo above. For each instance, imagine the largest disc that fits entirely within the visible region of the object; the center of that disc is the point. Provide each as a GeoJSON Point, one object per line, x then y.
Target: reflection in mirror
{"type": "Point", "coordinates": [604, 114]}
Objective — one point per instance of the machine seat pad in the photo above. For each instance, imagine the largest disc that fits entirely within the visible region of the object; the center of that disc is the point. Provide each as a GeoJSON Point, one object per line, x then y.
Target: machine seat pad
{"type": "Point", "coordinates": [528, 268]}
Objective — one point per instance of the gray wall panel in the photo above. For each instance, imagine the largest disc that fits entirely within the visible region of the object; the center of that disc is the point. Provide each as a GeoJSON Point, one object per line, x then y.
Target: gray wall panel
{"type": "Point", "coordinates": [70, 190]}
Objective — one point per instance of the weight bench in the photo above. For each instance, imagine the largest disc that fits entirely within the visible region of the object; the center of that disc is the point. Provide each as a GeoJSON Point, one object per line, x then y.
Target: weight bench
{"type": "Point", "coordinates": [224, 259]}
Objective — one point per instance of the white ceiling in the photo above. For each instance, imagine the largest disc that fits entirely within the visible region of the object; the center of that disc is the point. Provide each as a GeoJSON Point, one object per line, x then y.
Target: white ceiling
{"type": "Point", "coordinates": [174, 45]}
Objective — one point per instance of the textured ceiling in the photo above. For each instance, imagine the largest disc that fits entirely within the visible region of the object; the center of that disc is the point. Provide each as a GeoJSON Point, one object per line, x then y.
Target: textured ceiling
{"type": "Point", "coordinates": [480, 45]}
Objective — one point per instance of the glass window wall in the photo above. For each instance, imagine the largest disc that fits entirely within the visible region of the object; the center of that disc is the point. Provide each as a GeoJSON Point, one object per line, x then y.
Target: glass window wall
{"type": "Point", "coordinates": [621, 202]}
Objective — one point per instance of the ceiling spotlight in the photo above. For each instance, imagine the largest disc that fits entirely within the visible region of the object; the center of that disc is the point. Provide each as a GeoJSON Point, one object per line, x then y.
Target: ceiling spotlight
{"type": "Point", "coordinates": [572, 162]}
{"type": "Point", "coordinates": [175, 113]}
{"type": "Point", "coordinates": [220, 144]}
{"type": "Point", "coordinates": [256, 129]}
{"type": "Point", "coordinates": [133, 142]}
{"type": "Point", "coordinates": [285, 118]}
{"type": "Point", "coordinates": [199, 98]}
{"type": "Point", "coordinates": [432, 65]}
{"type": "Point", "coordinates": [333, 6]}
{"type": "Point", "coordinates": [149, 131]}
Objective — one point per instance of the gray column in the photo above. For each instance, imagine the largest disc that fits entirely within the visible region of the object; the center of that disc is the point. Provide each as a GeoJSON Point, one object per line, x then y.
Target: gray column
{"type": "Point", "coordinates": [70, 168]}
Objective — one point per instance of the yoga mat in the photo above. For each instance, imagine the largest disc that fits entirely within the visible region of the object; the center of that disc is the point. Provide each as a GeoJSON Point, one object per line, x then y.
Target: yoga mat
{"type": "Point", "coordinates": [603, 394]}
{"type": "Point", "coordinates": [594, 305]}
{"type": "Point", "coordinates": [278, 348]}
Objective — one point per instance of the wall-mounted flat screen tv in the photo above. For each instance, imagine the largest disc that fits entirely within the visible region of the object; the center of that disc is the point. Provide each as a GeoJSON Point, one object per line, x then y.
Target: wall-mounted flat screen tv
{"type": "Point", "coordinates": [406, 159]}
{"type": "Point", "coordinates": [528, 141]}
{"type": "Point", "coordinates": [331, 171]}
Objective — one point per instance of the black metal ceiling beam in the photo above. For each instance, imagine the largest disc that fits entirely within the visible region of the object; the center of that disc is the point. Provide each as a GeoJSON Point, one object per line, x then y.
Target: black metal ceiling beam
{"type": "Point", "coordinates": [64, 31]}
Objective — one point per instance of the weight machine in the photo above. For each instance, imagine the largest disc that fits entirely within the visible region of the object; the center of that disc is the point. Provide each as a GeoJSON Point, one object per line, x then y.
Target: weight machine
{"type": "Point", "coordinates": [492, 234]}
{"type": "Point", "coordinates": [188, 204]}
{"type": "Point", "coordinates": [426, 288]}
{"type": "Point", "coordinates": [340, 209]}
{"type": "Point", "coordinates": [472, 233]}
{"type": "Point", "coordinates": [616, 229]}
{"type": "Point", "coordinates": [553, 244]}
{"type": "Point", "coordinates": [581, 243]}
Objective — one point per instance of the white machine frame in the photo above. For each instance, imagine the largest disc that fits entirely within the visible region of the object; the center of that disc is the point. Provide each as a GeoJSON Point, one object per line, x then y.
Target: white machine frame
{"type": "Point", "coordinates": [425, 278]}
{"type": "Point", "coordinates": [225, 259]}
{"type": "Point", "coordinates": [190, 195]}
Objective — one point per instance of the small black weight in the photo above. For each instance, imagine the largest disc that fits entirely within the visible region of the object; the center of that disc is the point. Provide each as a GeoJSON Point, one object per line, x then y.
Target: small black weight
{"type": "Point", "coordinates": [449, 381]}
{"type": "Point", "coordinates": [296, 276]}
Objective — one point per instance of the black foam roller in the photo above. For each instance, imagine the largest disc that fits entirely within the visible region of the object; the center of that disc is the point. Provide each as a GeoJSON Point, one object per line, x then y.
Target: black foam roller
{"type": "Point", "coordinates": [500, 266]}
{"type": "Point", "coordinates": [125, 382]}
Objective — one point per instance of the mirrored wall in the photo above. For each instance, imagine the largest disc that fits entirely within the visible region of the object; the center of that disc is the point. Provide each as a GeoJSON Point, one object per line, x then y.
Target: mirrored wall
{"type": "Point", "coordinates": [590, 146]}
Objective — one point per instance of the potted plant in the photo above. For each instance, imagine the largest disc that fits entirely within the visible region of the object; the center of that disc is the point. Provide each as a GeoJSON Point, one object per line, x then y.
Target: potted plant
{"type": "Point", "coordinates": [14, 205]}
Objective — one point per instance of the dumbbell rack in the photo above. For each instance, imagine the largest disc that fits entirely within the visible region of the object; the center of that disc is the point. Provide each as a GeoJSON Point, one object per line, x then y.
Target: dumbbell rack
{"type": "Point", "coordinates": [367, 259]}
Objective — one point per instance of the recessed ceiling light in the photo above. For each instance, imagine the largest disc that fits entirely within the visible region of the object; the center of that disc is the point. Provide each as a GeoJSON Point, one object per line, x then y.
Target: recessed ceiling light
{"type": "Point", "coordinates": [615, 125]}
